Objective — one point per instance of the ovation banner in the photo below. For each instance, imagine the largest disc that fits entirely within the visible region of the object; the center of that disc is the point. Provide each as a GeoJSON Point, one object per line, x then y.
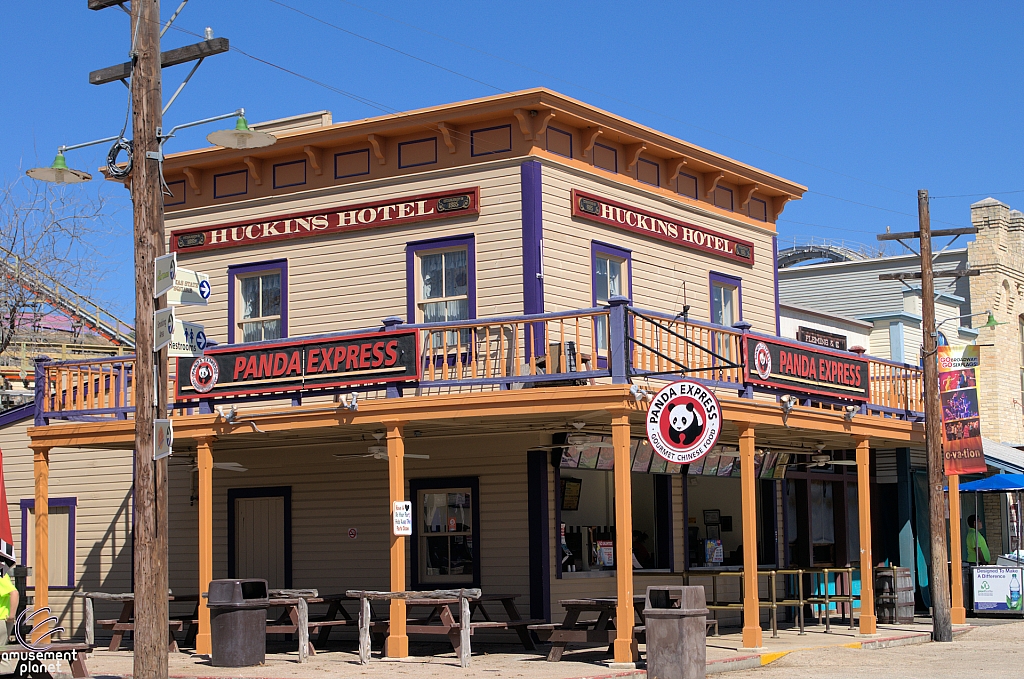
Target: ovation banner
{"type": "Point", "coordinates": [962, 451]}
{"type": "Point", "coordinates": [354, 217]}
{"type": "Point", "coordinates": [784, 365]}
{"type": "Point", "coordinates": [630, 218]}
{"type": "Point", "coordinates": [290, 365]}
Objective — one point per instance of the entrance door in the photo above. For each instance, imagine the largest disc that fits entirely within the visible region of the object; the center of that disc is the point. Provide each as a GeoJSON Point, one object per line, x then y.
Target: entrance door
{"type": "Point", "coordinates": [261, 535]}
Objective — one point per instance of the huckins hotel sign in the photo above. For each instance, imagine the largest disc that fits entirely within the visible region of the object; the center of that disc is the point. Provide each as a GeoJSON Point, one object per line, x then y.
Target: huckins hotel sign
{"type": "Point", "coordinates": [354, 217]}
{"type": "Point", "coordinates": [691, 236]}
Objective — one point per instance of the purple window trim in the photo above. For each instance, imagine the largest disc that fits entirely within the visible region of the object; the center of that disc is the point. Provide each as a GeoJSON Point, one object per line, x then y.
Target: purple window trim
{"type": "Point", "coordinates": [416, 141]}
{"type": "Point", "coordinates": [599, 248]}
{"type": "Point", "coordinates": [17, 414]}
{"type": "Point", "coordinates": [593, 153]}
{"type": "Point", "coordinates": [183, 194]}
{"type": "Point", "coordinates": [731, 281]}
{"type": "Point", "coordinates": [657, 172]}
{"type": "Point", "coordinates": [365, 152]}
{"type": "Point", "coordinates": [28, 504]}
{"type": "Point", "coordinates": [472, 140]}
{"type": "Point", "coordinates": [245, 269]}
{"type": "Point", "coordinates": [228, 174]}
{"type": "Point", "coordinates": [294, 162]}
{"type": "Point", "coordinates": [533, 235]}
{"type": "Point", "coordinates": [414, 248]}
{"type": "Point", "coordinates": [547, 142]}
{"type": "Point", "coordinates": [775, 271]}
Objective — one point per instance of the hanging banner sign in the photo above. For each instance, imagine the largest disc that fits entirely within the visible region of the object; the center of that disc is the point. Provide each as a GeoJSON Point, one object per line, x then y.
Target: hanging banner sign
{"type": "Point", "coordinates": [188, 339]}
{"type": "Point", "coordinates": [355, 217]}
{"type": "Point", "coordinates": [285, 366]}
{"type": "Point", "coordinates": [784, 365]}
{"type": "Point", "coordinates": [190, 287]}
{"type": "Point", "coordinates": [962, 451]}
{"type": "Point", "coordinates": [684, 422]}
{"type": "Point", "coordinates": [164, 269]}
{"type": "Point", "coordinates": [691, 236]}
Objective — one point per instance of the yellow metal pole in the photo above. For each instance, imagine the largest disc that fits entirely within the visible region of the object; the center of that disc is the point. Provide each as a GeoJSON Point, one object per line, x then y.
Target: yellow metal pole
{"type": "Point", "coordinates": [752, 637]}
{"type": "Point", "coordinates": [623, 540]}
{"type": "Point", "coordinates": [398, 640]}
{"type": "Point", "coordinates": [958, 614]}
{"type": "Point", "coordinates": [204, 460]}
{"type": "Point", "coordinates": [41, 568]}
{"type": "Point", "coordinates": [867, 571]}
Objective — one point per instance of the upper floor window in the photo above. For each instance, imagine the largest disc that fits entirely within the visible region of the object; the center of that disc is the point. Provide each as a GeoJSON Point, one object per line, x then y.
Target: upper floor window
{"type": "Point", "coordinates": [686, 185]}
{"type": "Point", "coordinates": [723, 198]}
{"type": "Point", "coordinates": [606, 158]}
{"type": "Point", "coordinates": [758, 209]}
{"type": "Point", "coordinates": [258, 301]}
{"type": "Point", "coordinates": [648, 172]}
{"type": "Point", "coordinates": [611, 279]}
{"type": "Point", "coordinates": [725, 300]}
{"type": "Point", "coordinates": [442, 281]}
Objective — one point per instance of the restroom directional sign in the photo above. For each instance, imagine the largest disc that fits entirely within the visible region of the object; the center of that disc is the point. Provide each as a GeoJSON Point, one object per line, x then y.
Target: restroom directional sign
{"type": "Point", "coordinates": [188, 339]}
{"type": "Point", "coordinates": [190, 287]}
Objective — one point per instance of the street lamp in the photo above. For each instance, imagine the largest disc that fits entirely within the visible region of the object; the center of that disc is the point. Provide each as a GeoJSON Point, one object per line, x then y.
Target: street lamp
{"type": "Point", "coordinates": [59, 172]}
{"type": "Point", "coordinates": [990, 323]}
{"type": "Point", "coordinates": [241, 137]}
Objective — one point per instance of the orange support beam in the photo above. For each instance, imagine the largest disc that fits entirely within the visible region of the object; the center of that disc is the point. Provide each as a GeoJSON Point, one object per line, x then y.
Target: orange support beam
{"type": "Point", "coordinates": [624, 647]}
{"type": "Point", "coordinates": [867, 570]}
{"type": "Point", "coordinates": [398, 640]}
{"type": "Point", "coordinates": [41, 567]}
{"type": "Point", "coordinates": [204, 460]}
{"type": "Point", "coordinates": [752, 636]}
{"type": "Point", "coordinates": [958, 614]}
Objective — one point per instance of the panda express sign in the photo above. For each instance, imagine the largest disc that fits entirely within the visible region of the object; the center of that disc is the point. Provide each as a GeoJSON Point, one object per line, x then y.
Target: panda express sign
{"type": "Point", "coordinates": [355, 217]}
{"type": "Point", "coordinates": [812, 370]}
{"type": "Point", "coordinates": [684, 421]}
{"type": "Point", "coordinates": [290, 365]}
{"type": "Point", "coordinates": [691, 236]}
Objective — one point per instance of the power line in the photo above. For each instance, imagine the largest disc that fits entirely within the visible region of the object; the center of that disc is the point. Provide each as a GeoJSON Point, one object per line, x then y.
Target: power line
{"type": "Point", "coordinates": [978, 195]}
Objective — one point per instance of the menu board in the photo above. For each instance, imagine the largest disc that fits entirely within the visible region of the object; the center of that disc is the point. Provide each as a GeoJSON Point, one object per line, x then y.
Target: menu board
{"type": "Point", "coordinates": [597, 453]}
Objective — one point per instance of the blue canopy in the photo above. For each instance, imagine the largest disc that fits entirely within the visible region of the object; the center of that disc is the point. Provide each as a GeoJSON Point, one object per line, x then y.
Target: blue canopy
{"type": "Point", "coordinates": [997, 482]}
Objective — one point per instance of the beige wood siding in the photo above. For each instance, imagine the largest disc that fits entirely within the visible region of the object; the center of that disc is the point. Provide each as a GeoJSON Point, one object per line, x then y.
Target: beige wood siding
{"type": "Point", "coordinates": [354, 280]}
{"type": "Point", "coordinates": [658, 269]}
{"type": "Point", "coordinates": [101, 481]}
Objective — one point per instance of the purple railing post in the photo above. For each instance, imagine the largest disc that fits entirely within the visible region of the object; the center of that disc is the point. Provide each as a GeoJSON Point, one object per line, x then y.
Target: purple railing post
{"type": "Point", "coordinates": [393, 323]}
{"type": "Point", "coordinates": [618, 344]}
{"type": "Point", "coordinates": [744, 327]}
{"type": "Point", "coordinates": [40, 390]}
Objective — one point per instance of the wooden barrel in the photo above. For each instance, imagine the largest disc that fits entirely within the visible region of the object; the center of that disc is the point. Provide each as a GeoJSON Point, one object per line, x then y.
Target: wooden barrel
{"type": "Point", "coordinates": [894, 595]}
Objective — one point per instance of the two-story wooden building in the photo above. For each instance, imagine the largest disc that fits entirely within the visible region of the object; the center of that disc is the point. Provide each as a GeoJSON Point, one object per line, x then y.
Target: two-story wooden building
{"type": "Point", "coordinates": [501, 282]}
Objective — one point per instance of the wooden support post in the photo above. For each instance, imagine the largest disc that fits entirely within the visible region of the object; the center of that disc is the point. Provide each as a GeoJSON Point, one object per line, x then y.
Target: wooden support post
{"type": "Point", "coordinates": [41, 568]}
{"type": "Point", "coordinates": [364, 631]}
{"type": "Point", "coordinates": [465, 653]}
{"type": "Point", "coordinates": [957, 612]}
{"type": "Point", "coordinates": [204, 460]}
{"type": "Point", "coordinates": [303, 625]}
{"type": "Point", "coordinates": [867, 570]}
{"type": "Point", "coordinates": [398, 641]}
{"type": "Point", "coordinates": [623, 540]}
{"type": "Point", "coordinates": [90, 621]}
{"type": "Point", "coordinates": [752, 637]}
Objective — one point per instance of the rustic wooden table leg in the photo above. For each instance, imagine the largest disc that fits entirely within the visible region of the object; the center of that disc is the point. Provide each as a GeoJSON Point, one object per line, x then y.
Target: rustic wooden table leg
{"type": "Point", "coordinates": [451, 627]}
{"type": "Point", "coordinates": [332, 614]}
{"type": "Point", "coordinates": [558, 647]}
{"type": "Point", "coordinates": [302, 622]}
{"type": "Point", "coordinates": [364, 631]}
{"type": "Point", "coordinates": [90, 622]}
{"type": "Point", "coordinates": [127, 610]}
{"type": "Point", "coordinates": [465, 617]}
{"type": "Point", "coordinates": [513, 614]}
{"type": "Point", "coordinates": [78, 668]}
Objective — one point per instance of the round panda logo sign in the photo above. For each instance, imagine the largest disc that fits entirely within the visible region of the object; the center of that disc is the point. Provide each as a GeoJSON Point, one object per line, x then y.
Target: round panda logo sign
{"type": "Point", "coordinates": [204, 374]}
{"type": "Point", "coordinates": [684, 421]}
{"type": "Point", "coordinates": [762, 360]}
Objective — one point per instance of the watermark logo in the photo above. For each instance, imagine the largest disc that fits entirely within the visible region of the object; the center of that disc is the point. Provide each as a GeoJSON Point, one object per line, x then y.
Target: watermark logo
{"type": "Point", "coordinates": [38, 645]}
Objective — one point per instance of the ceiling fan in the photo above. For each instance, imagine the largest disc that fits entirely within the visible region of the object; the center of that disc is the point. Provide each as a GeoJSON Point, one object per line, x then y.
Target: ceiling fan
{"type": "Point", "coordinates": [377, 452]}
{"type": "Point", "coordinates": [821, 459]}
{"type": "Point", "coordinates": [224, 466]}
{"type": "Point", "coordinates": [577, 438]}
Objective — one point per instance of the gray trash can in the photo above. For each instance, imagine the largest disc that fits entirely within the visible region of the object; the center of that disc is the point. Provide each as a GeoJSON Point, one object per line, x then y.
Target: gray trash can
{"type": "Point", "coordinates": [674, 618]}
{"type": "Point", "coordinates": [238, 622]}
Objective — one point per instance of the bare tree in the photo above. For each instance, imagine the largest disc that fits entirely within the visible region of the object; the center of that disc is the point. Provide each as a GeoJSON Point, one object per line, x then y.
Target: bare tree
{"type": "Point", "coordinates": [52, 241]}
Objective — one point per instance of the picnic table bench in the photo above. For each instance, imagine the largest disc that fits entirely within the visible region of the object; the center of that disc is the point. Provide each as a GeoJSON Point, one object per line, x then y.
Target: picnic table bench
{"type": "Point", "coordinates": [125, 622]}
{"type": "Point", "coordinates": [78, 649]}
{"type": "Point", "coordinates": [295, 617]}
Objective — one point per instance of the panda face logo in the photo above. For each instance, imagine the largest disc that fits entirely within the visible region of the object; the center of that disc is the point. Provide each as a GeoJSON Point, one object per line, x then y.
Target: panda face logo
{"type": "Point", "coordinates": [684, 421]}
{"type": "Point", "coordinates": [204, 374]}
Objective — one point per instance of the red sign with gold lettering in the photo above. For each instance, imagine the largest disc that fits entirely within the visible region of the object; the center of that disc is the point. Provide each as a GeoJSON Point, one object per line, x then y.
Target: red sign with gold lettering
{"type": "Point", "coordinates": [378, 214]}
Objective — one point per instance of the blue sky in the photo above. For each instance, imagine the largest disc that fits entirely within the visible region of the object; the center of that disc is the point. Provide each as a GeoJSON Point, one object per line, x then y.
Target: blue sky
{"type": "Point", "coordinates": [864, 103]}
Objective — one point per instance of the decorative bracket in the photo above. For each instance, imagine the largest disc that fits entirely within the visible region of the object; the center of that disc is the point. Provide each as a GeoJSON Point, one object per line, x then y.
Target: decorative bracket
{"type": "Point", "coordinates": [377, 142]}
{"type": "Point", "coordinates": [676, 166]}
{"type": "Point", "coordinates": [446, 132]}
{"type": "Point", "coordinates": [778, 205]}
{"type": "Point", "coordinates": [590, 136]}
{"type": "Point", "coordinates": [524, 123]}
{"type": "Point", "coordinates": [315, 155]}
{"type": "Point", "coordinates": [746, 193]}
{"type": "Point", "coordinates": [633, 152]}
{"type": "Point", "coordinates": [542, 124]}
{"type": "Point", "coordinates": [255, 166]}
{"type": "Point", "coordinates": [195, 178]}
{"type": "Point", "coordinates": [711, 180]}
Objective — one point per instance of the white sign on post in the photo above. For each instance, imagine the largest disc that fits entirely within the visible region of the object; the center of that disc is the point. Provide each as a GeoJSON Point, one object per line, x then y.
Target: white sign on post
{"type": "Point", "coordinates": [163, 328]}
{"type": "Point", "coordinates": [997, 589]}
{"type": "Point", "coordinates": [163, 438]}
{"type": "Point", "coordinates": [190, 287]}
{"type": "Point", "coordinates": [164, 269]}
{"type": "Point", "coordinates": [188, 339]}
{"type": "Point", "coordinates": [403, 518]}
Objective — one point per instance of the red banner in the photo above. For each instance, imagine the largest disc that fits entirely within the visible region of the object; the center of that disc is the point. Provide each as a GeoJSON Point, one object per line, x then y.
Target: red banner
{"type": "Point", "coordinates": [962, 450]}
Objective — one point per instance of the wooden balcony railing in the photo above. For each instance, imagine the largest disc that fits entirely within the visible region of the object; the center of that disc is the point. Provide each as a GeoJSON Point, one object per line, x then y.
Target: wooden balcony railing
{"type": "Point", "coordinates": [895, 386]}
{"type": "Point", "coordinates": [100, 388]}
{"type": "Point", "coordinates": [666, 345]}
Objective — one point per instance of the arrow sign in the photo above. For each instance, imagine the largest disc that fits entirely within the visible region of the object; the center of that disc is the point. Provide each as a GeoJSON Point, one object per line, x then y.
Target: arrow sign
{"type": "Point", "coordinates": [164, 269]}
{"type": "Point", "coordinates": [163, 328]}
{"type": "Point", "coordinates": [190, 287]}
{"type": "Point", "coordinates": [163, 438]}
{"type": "Point", "coordinates": [189, 339]}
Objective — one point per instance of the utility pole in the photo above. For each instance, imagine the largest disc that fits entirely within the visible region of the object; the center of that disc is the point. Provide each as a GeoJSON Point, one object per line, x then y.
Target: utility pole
{"type": "Point", "coordinates": [151, 613]}
{"type": "Point", "coordinates": [942, 628]}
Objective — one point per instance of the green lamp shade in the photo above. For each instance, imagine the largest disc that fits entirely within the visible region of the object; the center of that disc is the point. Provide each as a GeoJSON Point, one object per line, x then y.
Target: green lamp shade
{"type": "Point", "coordinates": [241, 137]}
{"type": "Point", "coordinates": [59, 172]}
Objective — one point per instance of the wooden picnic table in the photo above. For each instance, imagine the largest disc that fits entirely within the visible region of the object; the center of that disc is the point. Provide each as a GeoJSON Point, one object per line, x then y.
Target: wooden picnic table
{"type": "Point", "coordinates": [600, 630]}
{"type": "Point", "coordinates": [72, 652]}
{"type": "Point", "coordinates": [297, 611]}
{"type": "Point", "coordinates": [125, 622]}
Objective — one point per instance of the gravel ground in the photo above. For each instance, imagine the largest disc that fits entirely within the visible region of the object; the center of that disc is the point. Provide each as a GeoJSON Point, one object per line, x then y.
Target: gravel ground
{"type": "Point", "coordinates": [995, 651]}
